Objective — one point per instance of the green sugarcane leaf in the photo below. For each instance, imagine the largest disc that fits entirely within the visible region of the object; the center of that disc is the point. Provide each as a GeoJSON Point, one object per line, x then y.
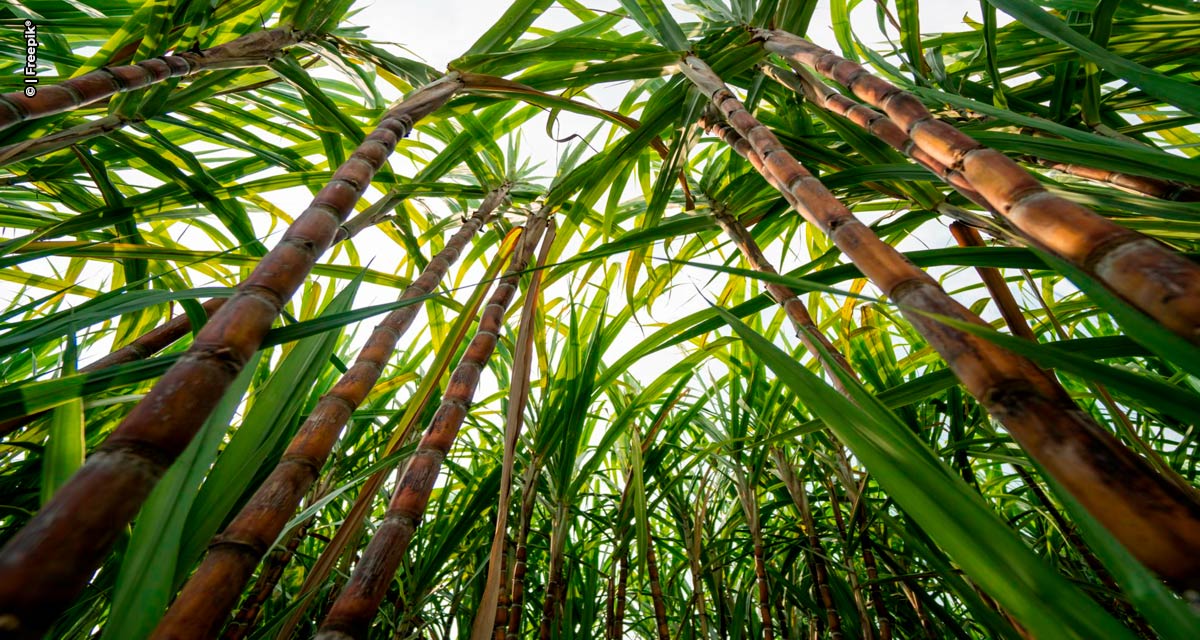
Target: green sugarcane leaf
{"type": "Point", "coordinates": [256, 444]}
{"type": "Point", "coordinates": [65, 447]}
{"type": "Point", "coordinates": [1180, 94]}
{"type": "Point", "coordinates": [954, 516]}
{"type": "Point", "coordinates": [145, 581]}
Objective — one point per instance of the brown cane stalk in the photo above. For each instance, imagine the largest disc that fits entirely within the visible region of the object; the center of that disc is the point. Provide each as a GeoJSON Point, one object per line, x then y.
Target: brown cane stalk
{"type": "Point", "coordinates": [1155, 518]}
{"type": "Point", "coordinates": [875, 123]}
{"type": "Point", "coordinates": [251, 50]}
{"type": "Point", "coordinates": [1144, 185]}
{"type": "Point", "coordinates": [656, 593]}
{"type": "Point", "coordinates": [349, 532]}
{"type": "Point", "coordinates": [1152, 277]}
{"type": "Point", "coordinates": [359, 600]}
{"type": "Point", "coordinates": [46, 564]}
{"type": "Point", "coordinates": [809, 334]}
{"type": "Point", "coordinates": [520, 565]}
{"type": "Point", "coordinates": [816, 554]}
{"type": "Point", "coordinates": [500, 624]}
{"type": "Point", "coordinates": [552, 602]}
{"type": "Point", "coordinates": [622, 581]}
{"type": "Point", "coordinates": [165, 335]}
{"type": "Point", "coordinates": [760, 576]}
{"type": "Point", "coordinates": [518, 397]}
{"type": "Point", "coordinates": [994, 282]}
{"type": "Point", "coordinates": [272, 571]}
{"type": "Point", "coordinates": [211, 593]}
{"type": "Point", "coordinates": [881, 612]}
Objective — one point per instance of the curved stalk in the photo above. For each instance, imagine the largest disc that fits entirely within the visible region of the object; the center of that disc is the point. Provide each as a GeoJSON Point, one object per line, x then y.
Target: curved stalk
{"type": "Point", "coordinates": [46, 564]}
{"type": "Point", "coordinates": [359, 601]}
{"type": "Point", "coordinates": [1158, 281]}
{"type": "Point", "coordinates": [251, 50]}
{"type": "Point", "coordinates": [213, 589]}
{"type": "Point", "coordinates": [1153, 517]}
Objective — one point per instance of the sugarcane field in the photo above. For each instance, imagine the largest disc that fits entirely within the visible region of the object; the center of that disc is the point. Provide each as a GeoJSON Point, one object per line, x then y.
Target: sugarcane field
{"type": "Point", "coordinates": [599, 319]}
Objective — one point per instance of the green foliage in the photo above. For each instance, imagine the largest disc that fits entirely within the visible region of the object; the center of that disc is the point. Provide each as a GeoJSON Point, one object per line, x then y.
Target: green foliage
{"type": "Point", "coordinates": [666, 383]}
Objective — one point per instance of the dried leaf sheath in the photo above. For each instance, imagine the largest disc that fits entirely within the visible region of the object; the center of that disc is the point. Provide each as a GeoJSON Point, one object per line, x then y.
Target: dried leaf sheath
{"type": "Point", "coordinates": [359, 600]}
{"type": "Point", "coordinates": [1154, 518]}
{"type": "Point", "coordinates": [45, 565]}
{"type": "Point", "coordinates": [491, 616]}
{"type": "Point", "coordinates": [251, 50]}
{"type": "Point", "coordinates": [208, 597]}
{"type": "Point", "coordinates": [1160, 282]}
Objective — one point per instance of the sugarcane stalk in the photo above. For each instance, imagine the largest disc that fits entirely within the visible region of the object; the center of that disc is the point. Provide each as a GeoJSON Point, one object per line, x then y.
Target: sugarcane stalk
{"type": "Point", "coordinates": [809, 334]}
{"type": "Point", "coordinates": [802, 81]}
{"type": "Point", "coordinates": [816, 554]}
{"type": "Point", "coordinates": [881, 612]}
{"type": "Point", "coordinates": [967, 236]}
{"type": "Point", "coordinates": [518, 397]}
{"type": "Point", "coordinates": [211, 593]}
{"type": "Point", "coordinates": [1155, 518]}
{"type": "Point", "coordinates": [500, 623]}
{"type": "Point", "coordinates": [251, 50]}
{"type": "Point", "coordinates": [760, 576]}
{"type": "Point", "coordinates": [520, 564]}
{"type": "Point", "coordinates": [552, 602]}
{"type": "Point", "coordinates": [1160, 282]}
{"type": "Point", "coordinates": [41, 145]}
{"type": "Point", "coordinates": [622, 582]}
{"type": "Point", "coordinates": [806, 330]}
{"type": "Point", "coordinates": [1143, 185]}
{"type": "Point", "coordinates": [247, 615]}
{"type": "Point", "coordinates": [359, 600]}
{"type": "Point", "coordinates": [610, 613]}
{"type": "Point", "coordinates": [165, 335]}
{"type": "Point", "coordinates": [656, 593]}
{"type": "Point", "coordinates": [341, 546]}
{"type": "Point", "coordinates": [46, 564]}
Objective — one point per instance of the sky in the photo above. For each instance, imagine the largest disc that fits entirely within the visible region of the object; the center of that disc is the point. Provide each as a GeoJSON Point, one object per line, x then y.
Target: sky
{"type": "Point", "coordinates": [460, 22]}
{"type": "Point", "coordinates": [438, 32]}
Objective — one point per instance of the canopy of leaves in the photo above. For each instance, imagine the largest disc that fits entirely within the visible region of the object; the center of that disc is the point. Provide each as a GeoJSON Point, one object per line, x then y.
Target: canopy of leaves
{"type": "Point", "coordinates": [671, 407]}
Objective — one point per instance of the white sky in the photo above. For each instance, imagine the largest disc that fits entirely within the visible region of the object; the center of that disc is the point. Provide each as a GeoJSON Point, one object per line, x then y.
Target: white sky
{"type": "Point", "coordinates": [438, 32]}
{"type": "Point", "coordinates": [460, 22]}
